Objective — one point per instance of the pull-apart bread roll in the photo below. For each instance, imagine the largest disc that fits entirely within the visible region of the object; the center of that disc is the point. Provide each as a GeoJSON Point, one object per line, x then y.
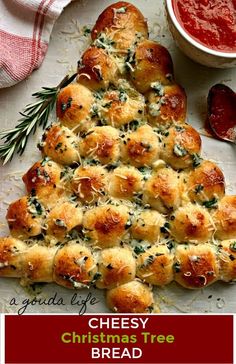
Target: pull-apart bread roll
{"type": "Point", "coordinates": [73, 107]}
{"type": "Point", "coordinates": [97, 69]}
{"type": "Point", "coordinates": [43, 179]}
{"type": "Point", "coordinates": [122, 199]}
{"type": "Point", "coordinates": [119, 26]}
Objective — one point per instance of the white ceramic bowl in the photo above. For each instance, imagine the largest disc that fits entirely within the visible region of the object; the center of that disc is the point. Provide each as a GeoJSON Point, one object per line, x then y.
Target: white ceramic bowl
{"type": "Point", "coordinates": [194, 50]}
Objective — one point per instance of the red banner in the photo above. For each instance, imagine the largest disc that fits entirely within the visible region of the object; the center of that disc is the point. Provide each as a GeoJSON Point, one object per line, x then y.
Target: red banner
{"type": "Point", "coordinates": [119, 339]}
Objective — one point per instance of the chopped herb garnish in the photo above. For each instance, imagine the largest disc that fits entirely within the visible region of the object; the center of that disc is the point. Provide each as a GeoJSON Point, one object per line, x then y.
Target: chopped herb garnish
{"type": "Point", "coordinates": [66, 105]}
{"type": "Point", "coordinates": [45, 161]}
{"type": "Point", "coordinates": [179, 151]}
{"type": "Point", "coordinates": [170, 244]}
{"type": "Point", "coordinates": [196, 160]}
{"type": "Point", "coordinates": [60, 223]}
{"type": "Point", "coordinates": [122, 95]}
{"type": "Point", "coordinates": [148, 261]}
{"type": "Point", "coordinates": [199, 188]}
{"type": "Point", "coordinates": [86, 30]}
{"type": "Point", "coordinates": [128, 224]}
{"type": "Point", "coordinates": [58, 146]}
{"type": "Point", "coordinates": [96, 277]}
{"type": "Point", "coordinates": [121, 10]}
{"type": "Point", "coordinates": [165, 229]}
{"type": "Point", "coordinates": [35, 207]}
{"type": "Point", "coordinates": [211, 203]}
{"type": "Point", "coordinates": [109, 266]}
{"type": "Point", "coordinates": [104, 42]}
{"type": "Point", "coordinates": [177, 267]}
{"type": "Point", "coordinates": [233, 246]}
{"type": "Point", "coordinates": [179, 128]}
{"type": "Point", "coordinates": [158, 88]}
{"type": "Point", "coordinates": [139, 249]}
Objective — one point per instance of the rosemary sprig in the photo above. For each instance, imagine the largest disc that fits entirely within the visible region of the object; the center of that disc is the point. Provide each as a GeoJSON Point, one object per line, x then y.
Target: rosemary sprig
{"type": "Point", "coordinates": [33, 115]}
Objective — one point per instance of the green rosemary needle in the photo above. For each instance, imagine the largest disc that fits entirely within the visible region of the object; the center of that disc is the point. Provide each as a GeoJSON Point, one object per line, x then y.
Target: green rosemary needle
{"type": "Point", "coordinates": [33, 115]}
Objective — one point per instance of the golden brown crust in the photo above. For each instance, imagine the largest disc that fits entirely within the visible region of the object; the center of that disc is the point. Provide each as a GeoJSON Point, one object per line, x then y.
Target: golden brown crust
{"type": "Point", "coordinates": [73, 107]}
{"type": "Point", "coordinates": [62, 219]}
{"type": "Point", "coordinates": [132, 297]}
{"type": "Point", "coordinates": [155, 266]}
{"type": "Point", "coordinates": [116, 266]}
{"type": "Point", "coordinates": [102, 144]}
{"type": "Point", "coordinates": [180, 145]}
{"type": "Point", "coordinates": [167, 105]}
{"type": "Point", "coordinates": [38, 264]}
{"type": "Point", "coordinates": [225, 218]}
{"type": "Point", "coordinates": [152, 63]}
{"type": "Point", "coordinates": [60, 144]}
{"type": "Point", "coordinates": [121, 22]}
{"type": "Point", "coordinates": [12, 252]}
{"type": "Point", "coordinates": [122, 107]}
{"type": "Point", "coordinates": [25, 217]}
{"type": "Point", "coordinates": [192, 224]}
{"type": "Point", "coordinates": [89, 183]}
{"type": "Point", "coordinates": [196, 266]}
{"type": "Point", "coordinates": [227, 260]}
{"type": "Point", "coordinates": [147, 226]}
{"type": "Point", "coordinates": [125, 183]}
{"type": "Point", "coordinates": [140, 148]}
{"type": "Point", "coordinates": [97, 69]}
{"type": "Point", "coordinates": [205, 183]}
{"type": "Point", "coordinates": [74, 266]}
{"type": "Point", "coordinates": [106, 225]}
{"type": "Point", "coordinates": [43, 180]}
{"type": "Point", "coordinates": [162, 190]}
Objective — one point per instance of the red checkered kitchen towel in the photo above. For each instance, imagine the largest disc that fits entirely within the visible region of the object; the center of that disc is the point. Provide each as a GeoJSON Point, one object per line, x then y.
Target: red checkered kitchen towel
{"type": "Point", "coordinates": [25, 28]}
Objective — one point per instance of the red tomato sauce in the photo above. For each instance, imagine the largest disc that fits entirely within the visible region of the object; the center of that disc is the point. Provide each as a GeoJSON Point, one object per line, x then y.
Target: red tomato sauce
{"type": "Point", "coordinates": [210, 22]}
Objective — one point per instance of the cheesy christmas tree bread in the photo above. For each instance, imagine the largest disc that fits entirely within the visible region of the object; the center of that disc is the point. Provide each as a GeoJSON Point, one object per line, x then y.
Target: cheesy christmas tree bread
{"type": "Point", "coordinates": [121, 199]}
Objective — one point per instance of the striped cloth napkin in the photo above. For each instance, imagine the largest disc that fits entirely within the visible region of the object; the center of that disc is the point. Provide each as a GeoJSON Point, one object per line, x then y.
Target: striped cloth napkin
{"type": "Point", "coordinates": [25, 28]}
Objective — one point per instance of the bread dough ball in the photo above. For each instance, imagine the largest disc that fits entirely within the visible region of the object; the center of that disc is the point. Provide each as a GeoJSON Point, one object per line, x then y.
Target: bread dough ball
{"type": "Point", "coordinates": [147, 226]}
{"type": "Point", "coordinates": [162, 191]}
{"type": "Point", "coordinates": [38, 264]}
{"type": "Point", "coordinates": [152, 63]}
{"type": "Point", "coordinates": [74, 266]}
{"type": "Point", "coordinates": [89, 183]}
{"type": "Point", "coordinates": [97, 69]}
{"type": "Point", "coordinates": [73, 107]}
{"type": "Point", "coordinates": [196, 266]}
{"type": "Point", "coordinates": [180, 146]}
{"type": "Point", "coordinates": [225, 218]}
{"type": "Point", "coordinates": [206, 184]}
{"type": "Point", "coordinates": [118, 27]}
{"type": "Point", "coordinates": [166, 104]}
{"type": "Point", "coordinates": [132, 297]}
{"type": "Point", "coordinates": [141, 147]}
{"type": "Point", "coordinates": [43, 180]}
{"type": "Point", "coordinates": [25, 217]}
{"type": "Point", "coordinates": [227, 260]}
{"type": "Point", "coordinates": [155, 266]}
{"type": "Point", "coordinates": [60, 144]}
{"type": "Point", "coordinates": [125, 183]}
{"type": "Point", "coordinates": [101, 144]}
{"type": "Point", "coordinates": [116, 266]}
{"type": "Point", "coordinates": [11, 257]}
{"type": "Point", "coordinates": [122, 106]}
{"type": "Point", "coordinates": [192, 224]}
{"type": "Point", "coordinates": [62, 219]}
{"type": "Point", "coordinates": [106, 225]}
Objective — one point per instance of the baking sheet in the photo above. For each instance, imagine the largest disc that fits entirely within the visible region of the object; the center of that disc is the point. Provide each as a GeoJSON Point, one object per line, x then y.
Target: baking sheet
{"type": "Point", "coordinates": [66, 46]}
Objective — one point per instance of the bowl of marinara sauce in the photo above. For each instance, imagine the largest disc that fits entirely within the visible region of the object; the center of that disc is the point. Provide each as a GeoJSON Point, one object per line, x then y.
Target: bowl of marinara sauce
{"type": "Point", "coordinates": [205, 30]}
